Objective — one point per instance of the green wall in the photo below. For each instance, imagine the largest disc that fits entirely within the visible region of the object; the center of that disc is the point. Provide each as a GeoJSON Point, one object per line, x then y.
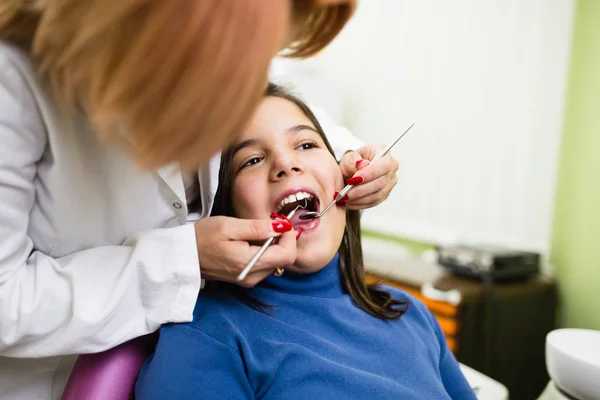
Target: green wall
{"type": "Point", "coordinates": [576, 232]}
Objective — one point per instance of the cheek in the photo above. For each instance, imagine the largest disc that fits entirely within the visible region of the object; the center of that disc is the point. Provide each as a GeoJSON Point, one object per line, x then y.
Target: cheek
{"type": "Point", "coordinates": [335, 175]}
{"type": "Point", "coordinates": [240, 199]}
{"type": "Point", "coordinates": [247, 200]}
{"type": "Point", "coordinates": [340, 224]}
{"type": "Point", "coordinates": [337, 220]}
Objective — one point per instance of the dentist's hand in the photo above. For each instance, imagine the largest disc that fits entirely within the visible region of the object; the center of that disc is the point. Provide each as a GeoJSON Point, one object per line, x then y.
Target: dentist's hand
{"type": "Point", "coordinates": [374, 182]}
{"type": "Point", "coordinates": [224, 248]}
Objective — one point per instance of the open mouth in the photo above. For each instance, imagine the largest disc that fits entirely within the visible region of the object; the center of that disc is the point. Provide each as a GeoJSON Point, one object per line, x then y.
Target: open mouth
{"type": "Point", "coordinates": [306, 201]}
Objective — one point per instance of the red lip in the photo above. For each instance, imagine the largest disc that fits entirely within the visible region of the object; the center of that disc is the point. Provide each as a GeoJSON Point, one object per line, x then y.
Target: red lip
{"type": "Point", "coordinates": [295, 190]}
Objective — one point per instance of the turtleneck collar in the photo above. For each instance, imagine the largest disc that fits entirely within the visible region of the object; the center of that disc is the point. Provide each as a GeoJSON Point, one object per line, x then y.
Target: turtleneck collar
{"type": "Point", "coordinates": [325, 282]}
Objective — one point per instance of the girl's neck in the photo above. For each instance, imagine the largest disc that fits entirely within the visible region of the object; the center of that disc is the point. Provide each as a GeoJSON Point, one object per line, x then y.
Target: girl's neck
{"type": "Point", "coordinates": [326, 282]}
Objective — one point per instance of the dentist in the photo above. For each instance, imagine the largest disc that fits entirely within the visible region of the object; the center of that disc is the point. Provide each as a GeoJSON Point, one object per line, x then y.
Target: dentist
{"type": "Point", "coordinates": [111, 112]}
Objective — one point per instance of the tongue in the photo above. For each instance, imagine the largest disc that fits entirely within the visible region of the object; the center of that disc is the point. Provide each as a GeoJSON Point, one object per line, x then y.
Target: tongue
{"type": "Point", "coordinates": [296, 221]}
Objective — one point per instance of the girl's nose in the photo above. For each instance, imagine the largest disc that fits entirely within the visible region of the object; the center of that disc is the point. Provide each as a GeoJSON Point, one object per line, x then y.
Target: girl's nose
{"type": "Point", "coordinates": [286, 164]}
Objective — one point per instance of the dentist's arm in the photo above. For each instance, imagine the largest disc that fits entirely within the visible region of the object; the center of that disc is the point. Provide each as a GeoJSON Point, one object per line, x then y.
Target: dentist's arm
{"type": "Point", "coordinates": [89, 300]}
{"type": "Point", "coordinates": [97, 298]}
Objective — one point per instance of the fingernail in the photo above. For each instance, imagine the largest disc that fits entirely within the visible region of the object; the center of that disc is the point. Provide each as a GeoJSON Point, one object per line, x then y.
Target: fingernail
{"type": "Point", "coordinates": [341, 204]}
{"type": "Point", "coordinates": [282, 226]}
{"type": "Point", "coordinates": [360, 162]}
{"type": "Point", "coordinates": [298, 234]}
{"type": "Point", "coordinates": [342, 199]}
{"type": "Point", "coordinates": [355, 180]}
{"type": "Point", "coordinates": [274, 215]}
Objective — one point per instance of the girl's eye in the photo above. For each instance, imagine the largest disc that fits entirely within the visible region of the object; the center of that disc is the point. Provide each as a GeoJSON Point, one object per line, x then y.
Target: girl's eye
{"type": "Point", "coordinates": [306, 146]}
{"type": "Point", "coordinates": [252, 161]}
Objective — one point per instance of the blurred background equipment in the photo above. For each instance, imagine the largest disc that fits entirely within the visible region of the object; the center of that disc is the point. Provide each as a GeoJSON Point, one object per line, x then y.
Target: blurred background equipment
{"type": "Point", "coordinates": [489, 263]}
{"type": "Point", "coordinates": [573, 361]}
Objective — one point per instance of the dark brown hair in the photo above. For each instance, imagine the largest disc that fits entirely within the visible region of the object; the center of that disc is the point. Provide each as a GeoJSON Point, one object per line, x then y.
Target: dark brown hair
{"type": "Point", "coordinates": [369, 298]}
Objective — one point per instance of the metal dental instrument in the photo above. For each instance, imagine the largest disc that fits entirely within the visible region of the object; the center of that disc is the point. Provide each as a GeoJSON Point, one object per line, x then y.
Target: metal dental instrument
{"type": "Point", "coordinates": [260, 252]}
{"type": "Point", "coordinates": [340, 196]}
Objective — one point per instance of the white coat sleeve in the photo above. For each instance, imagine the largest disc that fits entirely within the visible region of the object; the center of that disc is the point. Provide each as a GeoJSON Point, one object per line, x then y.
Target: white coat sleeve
{"type": "Point", "coordinates": [340, 138]}
{"type": "Point", "coordinates": [90, 300]}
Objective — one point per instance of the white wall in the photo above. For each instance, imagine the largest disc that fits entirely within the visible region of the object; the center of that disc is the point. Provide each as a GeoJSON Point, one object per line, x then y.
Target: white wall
{"type": "Point", "coordinates": [485, 82]}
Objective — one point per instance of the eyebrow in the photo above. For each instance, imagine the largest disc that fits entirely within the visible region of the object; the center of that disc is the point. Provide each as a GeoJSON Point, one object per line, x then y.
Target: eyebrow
{"type": "Point", "coordinates": [252, 142]}
{"type": "Point", "coordinates": [298, 128]}
{"type": "Point", "coordinates": [244, 143]}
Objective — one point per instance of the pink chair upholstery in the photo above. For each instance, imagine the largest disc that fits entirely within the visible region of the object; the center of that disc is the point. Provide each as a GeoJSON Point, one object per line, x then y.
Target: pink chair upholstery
{"type": "Point", "coordinates": [109, 375]}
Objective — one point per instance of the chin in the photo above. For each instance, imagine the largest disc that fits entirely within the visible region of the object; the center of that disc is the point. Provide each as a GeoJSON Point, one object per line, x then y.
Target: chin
{"type": "Point", "coordinates": [317, 247]}
{"type": "Point", "coordinates": [311, 258]}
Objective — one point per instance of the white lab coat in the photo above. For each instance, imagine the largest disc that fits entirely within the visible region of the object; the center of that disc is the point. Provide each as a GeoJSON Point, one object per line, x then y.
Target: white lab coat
{"type": "Point", "coordinates": [92, 251]}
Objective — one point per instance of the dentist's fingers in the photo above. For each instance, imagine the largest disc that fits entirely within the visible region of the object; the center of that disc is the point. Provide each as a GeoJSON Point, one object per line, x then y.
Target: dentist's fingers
{"type": "Point", "coordinates": [369, 201]}
{"type": "Point", "coordinates": [350, 162]}
{"type": "Point", "coordinates": [373, 181]}
{"type": "Point", "coordinates": [370, 194]}
{"type": "Point", "coordinates": [224, 251]}
{"type": "Point", "coordinates": [280, 254]}
{"type": "Point", "coordinates": [255, 229]}
{"type": "Point", "coordinates": [385, 166]}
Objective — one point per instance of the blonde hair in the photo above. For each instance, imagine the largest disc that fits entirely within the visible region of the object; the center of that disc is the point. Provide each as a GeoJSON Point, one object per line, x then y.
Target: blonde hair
{"type": "Point", "coordinates": [169, 80]}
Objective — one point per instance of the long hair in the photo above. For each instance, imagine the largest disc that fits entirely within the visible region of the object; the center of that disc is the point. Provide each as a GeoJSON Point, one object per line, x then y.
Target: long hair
{"type": "Point", "coordinates": [165, 80]}
{"type": "Point", "coordinates": [369, 298]}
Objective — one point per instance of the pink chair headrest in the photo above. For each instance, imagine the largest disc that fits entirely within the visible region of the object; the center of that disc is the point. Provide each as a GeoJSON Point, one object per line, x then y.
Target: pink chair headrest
{"type": "Point", "coordinates": [111, 374]}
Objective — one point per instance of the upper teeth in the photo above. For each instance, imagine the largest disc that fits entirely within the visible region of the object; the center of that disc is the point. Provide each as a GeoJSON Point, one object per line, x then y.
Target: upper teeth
{"type": "Point", "coordinates": [293, 198]}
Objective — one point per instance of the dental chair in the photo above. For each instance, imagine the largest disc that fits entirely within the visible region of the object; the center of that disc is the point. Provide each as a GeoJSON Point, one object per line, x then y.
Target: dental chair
{"type": "Point", "coordinates": [110, 375]}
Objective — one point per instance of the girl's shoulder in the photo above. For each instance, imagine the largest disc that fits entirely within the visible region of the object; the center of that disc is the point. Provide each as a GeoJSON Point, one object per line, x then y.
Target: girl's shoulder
{"type": "Point", "coordinates": [216, 306]}
{"type": "Point", "coordinates": [221, 315]}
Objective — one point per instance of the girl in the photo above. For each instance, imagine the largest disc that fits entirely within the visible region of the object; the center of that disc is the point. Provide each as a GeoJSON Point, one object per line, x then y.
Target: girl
{"type": "Point", "coordinates": [314, 330]}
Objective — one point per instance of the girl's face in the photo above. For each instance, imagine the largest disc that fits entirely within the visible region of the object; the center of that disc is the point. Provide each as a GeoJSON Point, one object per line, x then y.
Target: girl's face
{"type": "Point", "coordinates": [281, 160]}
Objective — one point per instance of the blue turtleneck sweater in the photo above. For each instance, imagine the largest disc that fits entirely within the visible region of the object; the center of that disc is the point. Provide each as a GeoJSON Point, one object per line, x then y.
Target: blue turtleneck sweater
{"type": "Point", "coordinates": [314, 344]}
